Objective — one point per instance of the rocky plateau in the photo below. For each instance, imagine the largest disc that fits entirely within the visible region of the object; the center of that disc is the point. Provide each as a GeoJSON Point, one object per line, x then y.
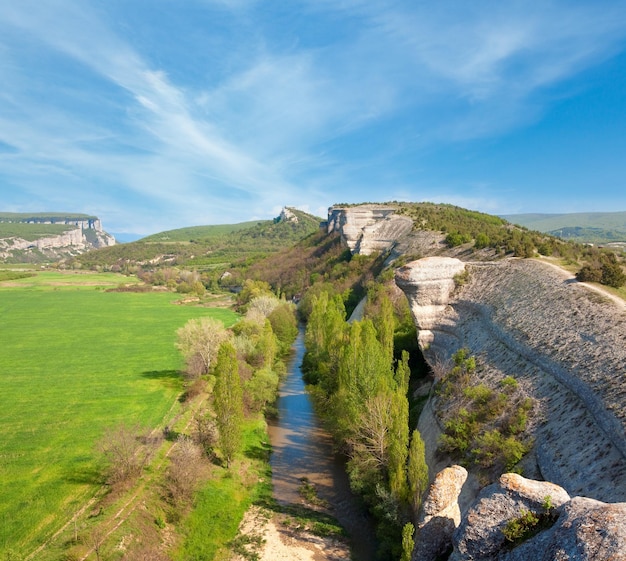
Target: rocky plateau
{"type": "Point", "coordinates": [80, 236]}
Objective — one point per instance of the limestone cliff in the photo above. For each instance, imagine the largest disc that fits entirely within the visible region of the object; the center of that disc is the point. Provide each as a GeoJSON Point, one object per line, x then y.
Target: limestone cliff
{"type": "Point", "coordinates": [81, 235]}
{"type": "Point", "coordinates": [564, 343]}
{"type": "Point", "coordinates": [366, 229]}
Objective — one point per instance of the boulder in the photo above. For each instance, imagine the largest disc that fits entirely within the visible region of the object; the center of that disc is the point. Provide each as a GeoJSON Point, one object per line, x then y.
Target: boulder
{"type": "Point", "coordinates": [585, 530]}
{"type": "Point", "coordinates": [440, 515]}
{"type": "Point", "coordinates": [480, 535]}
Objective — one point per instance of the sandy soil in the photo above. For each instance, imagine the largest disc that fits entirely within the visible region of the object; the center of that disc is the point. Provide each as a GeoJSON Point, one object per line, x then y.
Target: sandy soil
{"type": "Point", "coordinates": [274, 537]}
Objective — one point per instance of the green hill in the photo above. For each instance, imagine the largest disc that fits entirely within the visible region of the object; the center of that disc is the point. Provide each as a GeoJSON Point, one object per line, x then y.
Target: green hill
{"type": "Point", "coordinates": [593, 227]}
{"type": "Point", "coordinates": [205, 247]}
{"type": "Point", "coordinates": [193, 233]}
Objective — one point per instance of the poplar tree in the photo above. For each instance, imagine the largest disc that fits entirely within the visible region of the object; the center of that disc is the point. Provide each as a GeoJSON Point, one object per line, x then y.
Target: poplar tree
{"type": "Point", "coordinates": [324, 339]}
{"type": "Point", "coordinates": [417, 471]}
{"type": "Point", "coordinates": [398, 447]}
{"type": "Point", "coordinates": [228, 401]}
{"type": "Point", "coordinates": [385, 321]}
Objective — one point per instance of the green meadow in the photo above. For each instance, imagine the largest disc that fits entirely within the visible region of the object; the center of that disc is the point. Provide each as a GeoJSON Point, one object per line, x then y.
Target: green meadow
{"type": "Point", "coordinates": [74, 360]}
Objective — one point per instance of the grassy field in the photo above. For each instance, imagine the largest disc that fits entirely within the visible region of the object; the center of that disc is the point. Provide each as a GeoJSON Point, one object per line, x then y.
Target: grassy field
{"type": "Point", "coordinates": [31, 232]}
{"type": "Point", "coordinates": [76, 359]}
{"type": "Point", "coordinates": [221, 504]}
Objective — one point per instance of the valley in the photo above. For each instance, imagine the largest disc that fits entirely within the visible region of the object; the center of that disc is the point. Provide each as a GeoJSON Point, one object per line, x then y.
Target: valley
{"type": "Point", "coordinates": [96, 347]}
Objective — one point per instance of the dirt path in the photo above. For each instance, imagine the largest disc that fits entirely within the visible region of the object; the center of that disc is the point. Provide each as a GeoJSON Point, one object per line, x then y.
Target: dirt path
{"type": "Point", "coordinates": [569, 276]}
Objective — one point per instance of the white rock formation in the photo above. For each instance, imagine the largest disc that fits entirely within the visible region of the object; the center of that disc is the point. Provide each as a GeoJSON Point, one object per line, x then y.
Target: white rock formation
{"type": "Point", "coordinates": [441, 515]}
{"type": "Point", "coordinates": [428, 284]}
{"type": "Point", "coordinates": [81, 235]}
{"type": "Point", "coordinates": [366, 229]}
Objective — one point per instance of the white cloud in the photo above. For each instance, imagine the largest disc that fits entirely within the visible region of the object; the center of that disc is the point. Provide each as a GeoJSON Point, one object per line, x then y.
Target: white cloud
{"type": "Point", "coordinates": [287, 116]}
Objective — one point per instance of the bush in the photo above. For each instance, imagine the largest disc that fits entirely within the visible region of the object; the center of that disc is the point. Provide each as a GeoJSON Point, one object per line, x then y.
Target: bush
{"type": "Point", "coordinates": [482, 241]}
{"type": "Point", "coordinates": [518, 529]}
{"type": "Point", "coordinates": [482, 424]}
{"type": "Point", "coordinates": [589, 273]}
{"type": "Point", "coordinates": [612, 275]}
{"type": "Point", "coordinates": [455, 239]}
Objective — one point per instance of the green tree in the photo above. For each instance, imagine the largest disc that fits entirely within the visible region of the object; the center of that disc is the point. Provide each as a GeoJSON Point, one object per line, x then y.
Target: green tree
{"type": "Point", "coordinates": [385, 323]}
{"type": "Point", "coordinates": [253, 289]}
{"type": "Point", "coordinates": [613, 275]}
{"type": "Point", "coordinates": [284, 325]}
{"type": "Point", "coordinates": [324, 340]}
{"type": "Point", "coordinates": [267, 346]}
{"type": "Point", "coordinates": [482, 240]}
{"type": "Point", "coordinates": [398, 446]}
{"type": "Point", "coordinates": [228, 402]}
{"type": "Point", "coordinates": [408, 543]}
{"type": "Point", "coordinates": [417, 471]}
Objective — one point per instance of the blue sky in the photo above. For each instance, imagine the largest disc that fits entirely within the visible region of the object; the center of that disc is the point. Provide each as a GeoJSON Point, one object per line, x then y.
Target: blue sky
{"type": "Point", "coordinates": [159, 114]}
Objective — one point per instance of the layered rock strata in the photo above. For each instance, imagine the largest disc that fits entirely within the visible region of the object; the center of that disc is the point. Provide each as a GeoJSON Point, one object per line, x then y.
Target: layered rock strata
{"type": "Point", "coordinates": [81, 235]}
{"type": "Point", "coordinates": [368, 228]}
{"type": "Point", "coordinates": [428, 284]}
{"type": "Point", "coordinates": [563, 343]}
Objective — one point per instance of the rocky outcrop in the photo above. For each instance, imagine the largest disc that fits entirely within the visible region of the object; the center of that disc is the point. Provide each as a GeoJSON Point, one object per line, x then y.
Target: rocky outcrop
{"type": "Point", "coordinates": [80, 236]}
{"type": "Point", "coordinates": [366, 229]}
{"type": "Point", "coordinates": [481, 534]}
{"type": "Point", "coordinates": [578, 529]}
{"type": "Point", "coordinates": [441, 515]}
{"type": "Point", "coordinates": [428, 284]}
{"type": "Point", "coordinates": [287, 215]}
{"type": "Point", "coordinates": [564, 344]}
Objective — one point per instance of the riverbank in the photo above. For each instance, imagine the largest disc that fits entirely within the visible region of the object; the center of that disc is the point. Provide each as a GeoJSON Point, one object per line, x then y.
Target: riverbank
{"type": "Point", "coordinates": [271, 536]}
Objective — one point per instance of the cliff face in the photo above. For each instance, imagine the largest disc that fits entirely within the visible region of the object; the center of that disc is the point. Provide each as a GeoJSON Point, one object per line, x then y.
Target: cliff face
{"type": "Point", "coordinates": [368, 228]}
{"type": "Point", "coordinates": [81, 236]}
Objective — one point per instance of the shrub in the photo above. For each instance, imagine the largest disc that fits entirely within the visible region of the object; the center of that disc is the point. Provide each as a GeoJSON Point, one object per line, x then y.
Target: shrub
{"type": "Point", "coordinates": [518, 529]}
{"type": "Point", "coordinates": [454, 239]}
{"type": "Point", "coordinates": [589, 273]}
{"type": "Point", "coordinates": [612, 275]}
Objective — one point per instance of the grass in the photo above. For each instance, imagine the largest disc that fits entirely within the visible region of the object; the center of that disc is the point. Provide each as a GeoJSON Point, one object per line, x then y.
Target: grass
{"type": "Point", "coordinates": [31, 232]}
{"type": "Point", "coordinates": [76, 359]}
{"type": "Point", "coordinates": [220, 506]}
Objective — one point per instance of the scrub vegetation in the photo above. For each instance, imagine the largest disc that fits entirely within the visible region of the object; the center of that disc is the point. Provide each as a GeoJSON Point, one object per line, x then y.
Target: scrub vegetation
{"type": "Point", "coordinates": [484, 428]}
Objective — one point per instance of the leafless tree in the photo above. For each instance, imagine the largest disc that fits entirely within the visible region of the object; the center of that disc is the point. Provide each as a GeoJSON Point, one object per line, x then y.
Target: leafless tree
{"type": "Point", "coordinates": [125, 450]}
{"type": "Point", "coordinates": [185, 470]}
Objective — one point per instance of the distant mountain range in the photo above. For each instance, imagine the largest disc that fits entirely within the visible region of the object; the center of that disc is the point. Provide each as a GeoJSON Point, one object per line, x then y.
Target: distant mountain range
{"type": "Point", "coordinates": [591, 227]}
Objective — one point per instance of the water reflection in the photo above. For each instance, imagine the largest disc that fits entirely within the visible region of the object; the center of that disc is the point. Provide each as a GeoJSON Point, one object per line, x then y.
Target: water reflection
{"type": "Point", "coordinates": [302, 449]}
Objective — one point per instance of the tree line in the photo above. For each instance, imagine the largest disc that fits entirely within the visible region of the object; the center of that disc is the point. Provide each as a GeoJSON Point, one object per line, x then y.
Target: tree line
{"type": "Point", "coordinates": [362, 393]}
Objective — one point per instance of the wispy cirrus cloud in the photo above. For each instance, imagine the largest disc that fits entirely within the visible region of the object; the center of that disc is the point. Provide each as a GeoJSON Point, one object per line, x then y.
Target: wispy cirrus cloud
{"type": "Point", "coordinates": [255, 104]}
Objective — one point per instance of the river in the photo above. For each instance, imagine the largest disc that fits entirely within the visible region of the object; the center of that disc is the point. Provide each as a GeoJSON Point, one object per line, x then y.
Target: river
{"type": "Point", "coordinates": [301, 448]}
